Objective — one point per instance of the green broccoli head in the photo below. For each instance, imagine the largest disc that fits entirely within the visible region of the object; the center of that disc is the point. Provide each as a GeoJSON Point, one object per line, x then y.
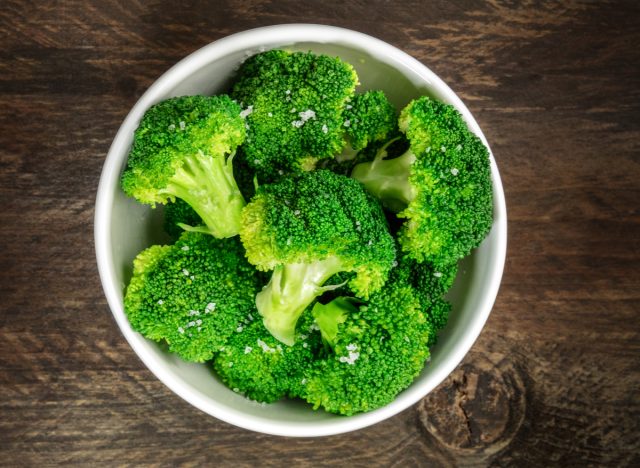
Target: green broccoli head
{"type": "Point", "coordinates": [254, 363]}
{"type": "Point", "coordinates": [429, 284]}
{"type": "Point", "coordinates": [369, 117]}
{"type": "Point", "coordinates": [307, 229]}
{"type": "Point", "coordinates": [379, 348]}
{"type": "Point", "coordinates": [193, 294]}
{"type": "Point", "coordinates": [177, 214]}
{"type": "Point", "coordinates": [441, 185]}
{"type": "Point", "coordinates": [370, 121]}
{"type": "Point", "coordinates": [180, 150]}
{"type": "Point", "coordinates": [293, 108]}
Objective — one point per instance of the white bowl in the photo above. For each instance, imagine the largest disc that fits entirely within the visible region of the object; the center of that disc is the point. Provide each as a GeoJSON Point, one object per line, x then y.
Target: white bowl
{"type": "Point", "coordinates": [123, 227]}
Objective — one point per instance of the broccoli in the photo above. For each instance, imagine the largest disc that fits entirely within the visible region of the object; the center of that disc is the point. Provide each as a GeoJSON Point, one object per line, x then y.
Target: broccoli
{"type": "Point", "coordinates": [178, 214]}
{"type": "Point", "coordinates": [307, 229]}
{"type": "Point", "coordinates": [257, 365]}
{"type": "Point", "coordinates": [193, 294]}
{"type": "Point", "coordinates": [369, 117]}
{"type": "Point", "coordinates": [180, 151]}
{"type": "Point", "coordinates": [430, 284]}
{"type": "Point", "coordinates": [294, 103]}
{"type": "Point", "coordinates": [379, 347]}
{"type": "Point", "coordinates": [441, 185]}
{"type": "Point", "coordinates": [372, 121]}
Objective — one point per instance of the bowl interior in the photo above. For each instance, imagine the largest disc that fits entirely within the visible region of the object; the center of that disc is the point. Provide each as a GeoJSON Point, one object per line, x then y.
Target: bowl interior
{"type": "Point", "coordinates": [132, 227]}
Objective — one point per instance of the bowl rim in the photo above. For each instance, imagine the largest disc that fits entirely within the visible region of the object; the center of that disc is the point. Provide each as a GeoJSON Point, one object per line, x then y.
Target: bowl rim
{"type": "Point", "coordinates": [248, 40]}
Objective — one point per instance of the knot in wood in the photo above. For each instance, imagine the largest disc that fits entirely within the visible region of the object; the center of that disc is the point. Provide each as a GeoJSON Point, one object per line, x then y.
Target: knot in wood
{"type": "Point", "coordinates": [478, 409]}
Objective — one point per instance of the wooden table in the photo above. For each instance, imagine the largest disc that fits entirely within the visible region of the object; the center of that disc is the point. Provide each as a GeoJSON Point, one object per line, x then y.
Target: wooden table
{"type": "Point", "coordinates": [553, 379]}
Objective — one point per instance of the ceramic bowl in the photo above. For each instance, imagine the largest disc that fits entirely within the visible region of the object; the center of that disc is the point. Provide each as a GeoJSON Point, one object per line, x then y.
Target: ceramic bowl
{"type": "Point", "coordinates": [123, 227]}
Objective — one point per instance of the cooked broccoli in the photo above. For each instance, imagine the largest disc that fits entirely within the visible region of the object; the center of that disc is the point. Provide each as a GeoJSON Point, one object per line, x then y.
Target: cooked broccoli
{"type": "Point", "coordinates": [379, 347]}
{"type": "Point", "coordinates": [372, 122]}
{"type": "Point", "coordinates": [257, 365]}
{"type": "Point", "coordinates": [293, 107]}
{"type": "Point", "coordinates": [430, 284]}
{"type": "Point", "coordinates": [180, 150]}
{"type": "Point", "coordinates": [178, 214]}
{"type": "Point", "coordinates": [368, 117]}
{"type": "Point", "coordinates": [441, 184]}
{"type": "Point", "coordinates": [193, 294]}
{"type": "Point", "coordinates": [307, 229]}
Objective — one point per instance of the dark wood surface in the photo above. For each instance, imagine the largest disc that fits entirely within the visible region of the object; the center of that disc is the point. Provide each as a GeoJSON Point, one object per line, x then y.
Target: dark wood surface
{"type": "Point", "coordinates": [553, 379]}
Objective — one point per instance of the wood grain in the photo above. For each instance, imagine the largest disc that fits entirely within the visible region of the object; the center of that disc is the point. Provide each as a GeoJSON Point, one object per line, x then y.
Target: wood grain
{"type": "Point", "coordinates": [552, 380]}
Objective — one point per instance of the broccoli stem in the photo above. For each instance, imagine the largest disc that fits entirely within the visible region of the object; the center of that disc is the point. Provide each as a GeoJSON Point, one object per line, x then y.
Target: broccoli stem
{"type": "Point", "coordinates": [388, 179]}
{"type": "Point", "coordinates": [290, 291]}
{"type": "Point", "coordinates": [207, 184]}
{"type": "Point", "coordinates": [329, 316]}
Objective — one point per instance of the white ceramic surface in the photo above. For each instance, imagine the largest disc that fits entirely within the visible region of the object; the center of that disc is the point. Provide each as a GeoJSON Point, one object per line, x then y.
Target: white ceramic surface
{"type": "Point", "coordinates": [123, 227]}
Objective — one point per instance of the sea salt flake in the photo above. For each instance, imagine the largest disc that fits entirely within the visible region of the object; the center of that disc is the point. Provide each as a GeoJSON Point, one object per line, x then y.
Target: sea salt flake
{"type": "Point", "coordinates": [306, 115]}
{"type": "Point", "coordinates": [265, 347]}
{"type": "Point", "coordinates": [351, 359]}
{"type": "Point", "coordinates": [455, 171]}
{"type": "Point", "coordinates": [245, 113]}
{"type": "Point", "coordinates": [185, 248]}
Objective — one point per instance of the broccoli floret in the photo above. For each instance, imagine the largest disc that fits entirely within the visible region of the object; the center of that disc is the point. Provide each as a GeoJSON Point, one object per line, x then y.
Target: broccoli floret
{"type": "Point", "coordinates": [257, 365]}
{"type": "Point", "coordinates": [307, 229]}
{"type": "Point", "coordinates": [429, 284]}
{"type": "Point", "coordinates": [369, 117]}
{"type": "Point", "coordinates": [177, 214]}
{"type": "Point", "coordinates": [380, 346]}
{"type": "Point", "coordinates": [441, 185]}
{"type": "Point", "coordinates": [293, 107]}
{"type": "Point", "coordinates": [193, 294]}
{"type": "Point", "coordinates": [180, 150]}
{"type": "Point", "coordinates": [372, 121]}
